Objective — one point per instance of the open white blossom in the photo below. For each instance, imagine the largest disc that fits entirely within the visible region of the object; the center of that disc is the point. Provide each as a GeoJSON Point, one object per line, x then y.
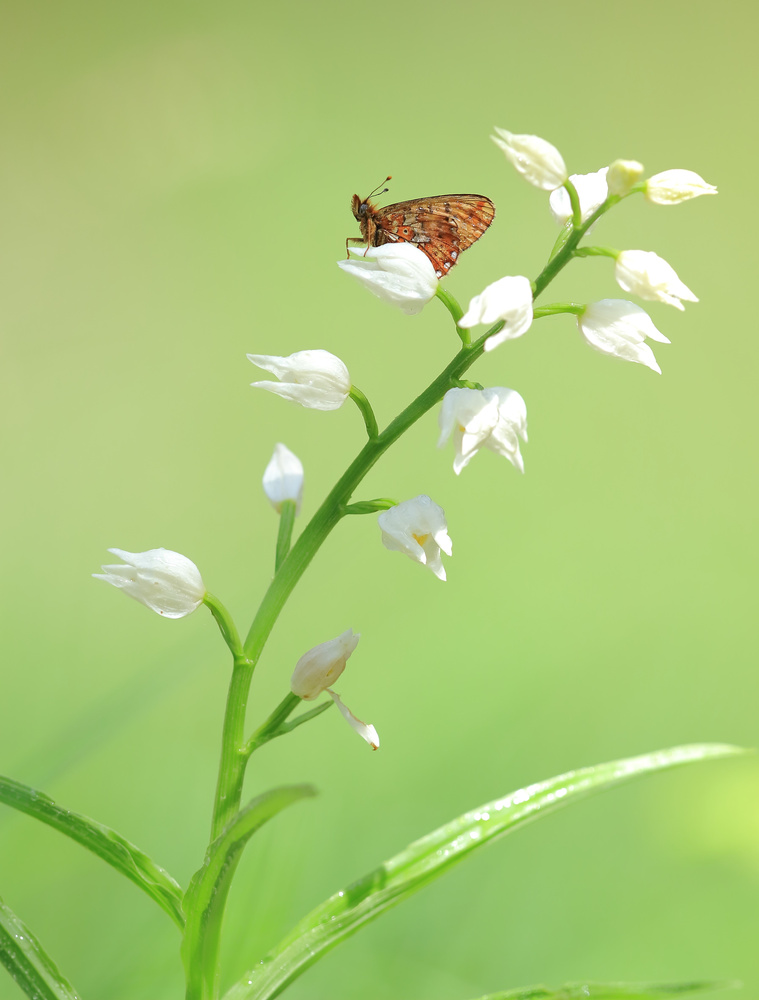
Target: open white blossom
{"type": "Point", "coordinates": [315, 379]}
{"type": "Point", "coordinates": [164, 581]}
{"type": "Point", "coordinates": [671, 187]}
{"type": "Point", "coordinates": [622, 175]}
{"type": "Point", "coordinates": [398, 273]}
{"type": "Point", "coordinates": [508, 299]}
{"type": "Point", "coordinates": [536, 160]}
{"type": "Point", "coordinates": [320, 667]}
{"type": "Point", "coordinates": [618, 327]}
{"type": "Point", "coordinates": [283, 478]}
{"type": "Point", "coordinates": [493, 418]}
{"type": "Point", "coordinates": [648, 275]}
{"type": "Point", "coordinates": [418, 528]}
{"type": "Point", "coordinates": [592, 190]}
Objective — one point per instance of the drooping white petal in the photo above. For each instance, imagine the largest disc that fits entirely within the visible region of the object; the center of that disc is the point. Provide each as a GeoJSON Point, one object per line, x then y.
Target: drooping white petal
{"type": "Point", "coordinates": [622, 175]}
{"type": "Point", "coordinates": [508, 299]}
{"type": "Point", "coordinates": [164, 581]}
{"type": "Point", "coordinates": [283, 478]}
{"type": "Point", "coordinates": [418, 528]}
{"type": "Point", "coordinates": [398, 273]}
{"type": "Point", "coordinates": [618, 327]}
{"type": "Point", "coordinates": [592, 190]}
{"type": "Point", "coordinates": [648, 275]}
{"type": "Point", "coordinates": [315, 379]}
{"type": "Point", "coordinates": [536, 160]}
{"type": "Point", "coordinates": [366, 732]}
{"type": "Point", "coordinates": [671, 187]}
{"type": "Point", "coordinates": [322, 665]}
{"type": "Point", "coordinates": [494, 418]}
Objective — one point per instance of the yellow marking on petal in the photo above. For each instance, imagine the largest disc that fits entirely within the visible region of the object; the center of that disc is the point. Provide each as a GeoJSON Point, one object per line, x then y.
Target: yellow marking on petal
{"type": "Point", "coordinates": [420, 538]}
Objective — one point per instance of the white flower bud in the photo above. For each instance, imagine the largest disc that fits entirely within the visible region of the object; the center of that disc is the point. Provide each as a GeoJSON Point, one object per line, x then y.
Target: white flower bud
{"type": "Point", "coordinates": [648, 275]}
{"type": "Point", "coordinates": [592, 190]}
{"type": "Point", "coordinates": [508, 299]}
{"type": "Point", "coordinates": [492, 418]}
{"type": "Point", "coordinates": [670, 187]}
{"type": "Point", "coordinates": [164, 581]}
{"type": "Point", "coordinates": [536, 160]}
{"type": "Point", "coordinates": [622, 175]}
{"type": "Point", "coordinates": [398, 273]}
{"type": "Point", "coordinates": [418, 528]}
{"type": "Point", "coordinates": [283, 478]}
{"type": "Point", "coordinates": [614, 326]}
{"type": "Point", "coordinates": [322, 665]}
{"type": "Point", "coordinates": [315, 379]}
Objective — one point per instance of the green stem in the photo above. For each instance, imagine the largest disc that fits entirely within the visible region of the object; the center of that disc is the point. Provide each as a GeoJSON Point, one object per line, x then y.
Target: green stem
{"type": "Point", "coordinates": [227, 627]}
{"type": "Point", "coordinates": [567, 252]}
{"type": "Point", "coordinates": [456, 312]}
{"type": "Point", "coordinates": [366, 412]}
{"type": "Point", "coordinates": [285, 534]}
{"type": "Point", "coordinates": [233, 757]}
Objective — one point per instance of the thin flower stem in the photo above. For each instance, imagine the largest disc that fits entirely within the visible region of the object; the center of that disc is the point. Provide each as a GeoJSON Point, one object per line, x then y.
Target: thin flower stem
{"type": "Point", "coordinates": [574, 201]}
{"type": "Point", "coordinates": [227, 627]}
{"type": "Point", "coordinates": [456, 312]}
{"type": "Point", "coordinates": [558, 307]}
{"type": "Point", "coordinates": [285, 534]}
{"type": "Point", "coordinates": [567, 252]}
{"type": "Point", "coordinates": [366, 412]}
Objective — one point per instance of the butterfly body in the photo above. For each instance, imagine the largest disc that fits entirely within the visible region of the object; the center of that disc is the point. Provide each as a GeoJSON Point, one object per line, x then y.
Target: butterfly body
{"type": "Point", "coordinates": [442, 226]}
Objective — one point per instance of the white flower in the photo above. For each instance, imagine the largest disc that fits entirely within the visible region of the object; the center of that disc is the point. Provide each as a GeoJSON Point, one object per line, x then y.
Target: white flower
{"type": "Point", "coordinates": [614, 326]}
{"type": "Point", "coordinates": [283, 478]}
{"type": "Point", "coordinates": [622, 175]}
{"type": "Point", "coordinates": [320, 667]}
{"type": "Point", "coordinates": [398, 273]}
{"type": "Point", "coordinates": [536, 160]}
{"type": "Point", "coordinates": [316, 379]}
{"type": "Point", "coordinates": [164, 581]}
{"type": "Point", "coordinates": [592, 190]}
{"type": "Point", "coordinates": [670, 187]}
{"type": "Point", "coordinates": [648, 275]}
{"type": "Point", "coordinates": [508, 299]}
{"type": "Point", "coordinates": [495, 418]}
{"type": "Point", "coordinates": [418, 528]}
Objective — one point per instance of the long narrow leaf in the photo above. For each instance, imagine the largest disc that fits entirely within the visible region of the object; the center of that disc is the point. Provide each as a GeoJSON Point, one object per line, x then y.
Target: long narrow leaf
{"type": "Point", "coordinates": [101, 840]}
{"type": "Point", "coordinates": [26, 960]}
{"type": "Point", "coordinates": [426, 859]}
{"type": "Point", "coordinates": [207, 895]}
{"type": "Point", "coordinates": [610, 991]}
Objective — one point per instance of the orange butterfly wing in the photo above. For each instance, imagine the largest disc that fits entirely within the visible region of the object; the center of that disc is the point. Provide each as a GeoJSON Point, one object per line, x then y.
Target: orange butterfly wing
{"type": "Point", "coordinates": [442, 226]}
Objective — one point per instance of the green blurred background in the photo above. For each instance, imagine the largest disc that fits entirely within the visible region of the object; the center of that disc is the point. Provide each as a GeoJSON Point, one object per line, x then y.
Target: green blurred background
{"type": "Point", "coordinates": [175, 182]}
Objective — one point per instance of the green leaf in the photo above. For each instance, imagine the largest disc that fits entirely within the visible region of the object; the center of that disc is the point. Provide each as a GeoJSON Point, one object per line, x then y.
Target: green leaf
{"type": "Point", "coordinates": [101, 840]}
{"type": "Point", "coordinates": [206, 897]}
{"type": "Point", "coordinates": [426, 859]}
{"type": "Point", "coordinates": [28, 963]}
{"type": "Point", "coordinates": [609, 991]}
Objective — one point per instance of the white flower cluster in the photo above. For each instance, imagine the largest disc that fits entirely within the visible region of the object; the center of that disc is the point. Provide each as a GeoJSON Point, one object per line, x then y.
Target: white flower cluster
{"type": "Point", "coordinates": [494, 418]}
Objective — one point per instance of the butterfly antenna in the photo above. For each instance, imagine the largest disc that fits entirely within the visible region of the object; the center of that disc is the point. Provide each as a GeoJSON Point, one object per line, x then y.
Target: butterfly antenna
{"type": "Point", "coordinates": [377, 191]}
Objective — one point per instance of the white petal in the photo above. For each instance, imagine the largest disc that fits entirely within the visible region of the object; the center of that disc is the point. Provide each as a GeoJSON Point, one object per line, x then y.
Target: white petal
{"type": "Point", "coordinates": [622, 175]}
{"type": "Point", "coordinates": [283, 478]}
{"type": "Point", "coordinates": [671, 187]}
{"type": "Point", "coordinates": [618, 327]}
{"type": "Point", "coordinates": [417, 528]}
{"type": "Point", "coordinates": [316, 379]}
{"type": "Point", "coordinates": [164, 581]}
{"type": "Point", "coordinates": [536, 160]}
{"type": "Point", "coordinates": [398, 273]}
{"type": "Point", "coordinates": [644, 273]}
{"type": "Point", "coordinates": [366, 732]}
{"type": "Point", "coordinates": [322, 665]}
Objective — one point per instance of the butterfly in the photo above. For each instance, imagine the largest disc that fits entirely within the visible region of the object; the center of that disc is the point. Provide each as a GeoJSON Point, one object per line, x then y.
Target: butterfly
{"type": "Point", "coordinates": [442, 226]}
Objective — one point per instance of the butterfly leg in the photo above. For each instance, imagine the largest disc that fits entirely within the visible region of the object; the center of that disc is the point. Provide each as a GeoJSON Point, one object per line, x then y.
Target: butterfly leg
{"type": "Point", "coordinates": [351, 239]}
